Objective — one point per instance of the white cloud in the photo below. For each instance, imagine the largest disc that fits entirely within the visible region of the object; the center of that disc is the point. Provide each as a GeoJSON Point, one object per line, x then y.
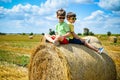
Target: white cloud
{"type": "Point", "coordinates": [40, 18]}
{"type": "Point", "coordinates": [97, 15]}
{"type": "Point", "coordinates": [82, 1]}
{"type": "Point", "coordinates": [113, 5]}
{"type": "Point", "coordinates": [101, 22]}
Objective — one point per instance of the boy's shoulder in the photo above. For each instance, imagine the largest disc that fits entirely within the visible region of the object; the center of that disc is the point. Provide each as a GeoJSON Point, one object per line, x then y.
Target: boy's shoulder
{"type": "Point", "coordinates": [64, 23]}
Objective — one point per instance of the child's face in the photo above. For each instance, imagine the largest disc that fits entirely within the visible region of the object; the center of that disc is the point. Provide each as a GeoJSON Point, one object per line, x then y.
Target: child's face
{"type": "Point", "coordinates": [72, 19]}
{"type": "Point", "coordinates": [61, 18]}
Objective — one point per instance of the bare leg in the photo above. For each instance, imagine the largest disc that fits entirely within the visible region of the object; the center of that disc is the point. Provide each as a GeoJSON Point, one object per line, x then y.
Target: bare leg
{"type": "Point", "coordinates": [91, 47]}
{"type": "Point", "coordinates": [48, 37]}
{"type": "Point", "coordinates": [58, 38]}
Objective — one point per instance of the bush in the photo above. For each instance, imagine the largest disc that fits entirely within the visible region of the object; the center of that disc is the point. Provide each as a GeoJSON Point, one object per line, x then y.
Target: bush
{"type": "Point", "coordinates": [86, 33]}
{"type": "Point", "coordinates": [31, 33]}
{"type": "Point", "coordinates": [109, 33]}
{"type": "Point", "coordinates": [91, 33]}
{"type": "Point", "coordinates": [23, 34]}
{"type": "Point", "coordinates": [79, 34]}
{"type": "Point", "coordinates": [52, 32]}
{"type": "Point", "coordinates": [2, 33]}
{"type": "Point", "coordinates": [43, 33]}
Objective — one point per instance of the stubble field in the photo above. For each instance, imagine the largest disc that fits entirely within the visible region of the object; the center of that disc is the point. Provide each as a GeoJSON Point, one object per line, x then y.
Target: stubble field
{"type": "Point", "coordinates": [15, 51]}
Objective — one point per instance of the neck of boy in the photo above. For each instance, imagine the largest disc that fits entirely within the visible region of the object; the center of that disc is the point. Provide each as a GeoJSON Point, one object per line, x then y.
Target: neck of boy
{"type": "Point", "coordinates": [61, 22]}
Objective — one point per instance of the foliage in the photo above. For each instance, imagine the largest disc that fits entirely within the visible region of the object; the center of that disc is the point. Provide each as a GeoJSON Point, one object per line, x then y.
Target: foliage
{"type": "Point", "coordinates": [51, 32]}
{"type": "Point", "coordinates": [23, 33]}
{"type": "Point", "coordinates": [109, 33]}
{"type": "Point", "coordinates": [86, 33]}
{"type": "Point", "coordinates": [2, 33]}
{"type": "Point", "coordinates": [31, 33]}
{"type": "Point", "coordinates": [79, 34]}
{"type": "Point", "coordinates": [43, 34]}
{"type": "Point", "coordinates": [91, 33]}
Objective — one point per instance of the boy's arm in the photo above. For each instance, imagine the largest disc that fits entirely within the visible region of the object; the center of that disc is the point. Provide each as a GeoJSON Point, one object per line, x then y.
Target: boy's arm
{"type": "Point", "coordinates": [75, 35]}
{"type": "Point", "coordinates": [67, 34]}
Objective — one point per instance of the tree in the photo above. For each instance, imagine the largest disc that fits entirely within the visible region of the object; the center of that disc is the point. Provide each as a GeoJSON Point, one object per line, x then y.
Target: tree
{"type": "Point", "coordinates": [91, 33]}
{"type": "Point", "coordinates": [85, 33]}
{"type": "Point", "coordinates": [109, 33]}
{"type": "Point", "coordinates": [31, 33]}
{"type": "Point", "coordinates": [79, 34]}
{"type": "Point", "coordinates": [43, 33]}
{"type": "Point", "coordinates": [2, 33]}
{"type": "Point", "coordinates": [51, 32]}
{"type": "Point", "coordinates": [23, 34]}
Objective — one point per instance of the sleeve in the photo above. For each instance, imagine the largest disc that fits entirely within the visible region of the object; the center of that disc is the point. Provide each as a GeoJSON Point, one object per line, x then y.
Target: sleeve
{"type": "Point", "coordinates": [71, 28]}
{"type": "Point", "coordinates": [56, 30]}
{"type": "Point", "coordinates": [67, 28]}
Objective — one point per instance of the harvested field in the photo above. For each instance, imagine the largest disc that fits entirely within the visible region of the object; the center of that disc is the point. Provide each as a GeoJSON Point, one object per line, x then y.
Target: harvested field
{"type": "Point", "coordinates": [70, 62]}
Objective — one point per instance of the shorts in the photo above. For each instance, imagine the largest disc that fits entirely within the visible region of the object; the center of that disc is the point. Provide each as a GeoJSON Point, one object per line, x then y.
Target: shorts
{"type": "Point", "coordinates": [76, 41]}
{"type": "Point", "coordinates": [65, 41]}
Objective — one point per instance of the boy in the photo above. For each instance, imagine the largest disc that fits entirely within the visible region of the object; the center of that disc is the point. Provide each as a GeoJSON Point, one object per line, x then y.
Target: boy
{"type": "Point", "coordinates": [74, 38]}
{"type": "Point", "coordinates": [62, 30]}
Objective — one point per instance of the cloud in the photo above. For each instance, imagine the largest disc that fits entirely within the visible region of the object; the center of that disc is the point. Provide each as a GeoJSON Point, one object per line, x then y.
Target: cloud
{"type": "Point", "coordinates": [101, 22]}
{"type": "Point", "coordinates": [39, 18]}
{"type": "Point", "coordinates": [82, 1]}
{"type": "Point", "coordinates": [20, 12]}
{"type": "Point", "coordinates": [97, 15]}
{"type": "Point", "coordinates": [113, 5]}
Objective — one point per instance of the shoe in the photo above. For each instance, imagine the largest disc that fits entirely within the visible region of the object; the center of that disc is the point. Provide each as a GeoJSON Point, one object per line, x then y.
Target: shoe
{"type": "Point", "coordinates": [46, 40]}
{"type": "Point", "coordinates": [56, 43]}
{"type": "Point", "coordinates": [87, 40]}
{"type": "Point", "coordinates": [100, 50]}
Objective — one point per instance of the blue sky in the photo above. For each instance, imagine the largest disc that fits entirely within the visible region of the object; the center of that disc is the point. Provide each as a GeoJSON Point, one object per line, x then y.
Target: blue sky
{"type": "Point", "coordinates": [38, 16]}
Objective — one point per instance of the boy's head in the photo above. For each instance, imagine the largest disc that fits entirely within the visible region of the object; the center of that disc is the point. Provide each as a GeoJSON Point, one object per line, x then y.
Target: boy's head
{"type": "Point", "coordinates": [61, 15]}
{"type": "Point", "coordinates": [71, 17]}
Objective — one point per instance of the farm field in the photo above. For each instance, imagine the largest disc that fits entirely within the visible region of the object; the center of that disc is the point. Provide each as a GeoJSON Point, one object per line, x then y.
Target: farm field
{"type": "Point", "coordinates": [15, 53]}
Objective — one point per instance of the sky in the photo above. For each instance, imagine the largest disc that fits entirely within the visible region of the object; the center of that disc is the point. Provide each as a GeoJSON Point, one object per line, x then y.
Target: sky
{"type": "Point", "coordinates": [38, 16]}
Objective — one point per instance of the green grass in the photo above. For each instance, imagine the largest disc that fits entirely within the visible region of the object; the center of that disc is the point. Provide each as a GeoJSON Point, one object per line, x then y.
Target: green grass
{"type": "Point", "coordinates": [14, 58]}
{"type": "Point", "coordinates": [14, 48]}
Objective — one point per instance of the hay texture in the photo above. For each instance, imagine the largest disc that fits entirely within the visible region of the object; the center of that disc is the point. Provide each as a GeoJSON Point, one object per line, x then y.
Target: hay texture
{"type": "Point", "coordinates": [113, 39]}
{"type": "Point", "coordinates": [70, 62]}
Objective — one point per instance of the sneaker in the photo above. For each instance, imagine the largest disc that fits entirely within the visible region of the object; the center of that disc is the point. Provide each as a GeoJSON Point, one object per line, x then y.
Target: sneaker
{"type": "Point", "coordinates": [87, 40]}
{"type": "Point", "coordinates": [56, 43]}
{"type": "Point", "coordinates": [100, 50]}
{"type": "Point", "coordinates": [46, 40]}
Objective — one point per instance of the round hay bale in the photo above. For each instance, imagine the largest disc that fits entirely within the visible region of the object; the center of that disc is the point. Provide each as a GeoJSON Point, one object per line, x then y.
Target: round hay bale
{"type": "Point", "coordinates": [70, 62]}
{"type": "Point", "coordinates": [30, 37]}
{"type": "Point", "coordinates": [92, 39]}
{"type": "Point", "coordinates": [113, 39]}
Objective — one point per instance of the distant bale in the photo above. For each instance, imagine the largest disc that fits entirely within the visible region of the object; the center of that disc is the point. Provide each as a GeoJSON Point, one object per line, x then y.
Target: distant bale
{"type": "Point", "coordinates": [70, 62]}
{"type": "Point", "coordinates": [113, 39]}
{"type": "Point", "coordinates": [99, 36]}
{"type": "Point", "coordinates": [92, 39]}
{"type": "Point", "coordinates": [30, 37]}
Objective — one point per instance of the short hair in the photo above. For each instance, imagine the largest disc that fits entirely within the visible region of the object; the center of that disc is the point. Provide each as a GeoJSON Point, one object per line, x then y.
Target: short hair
{"type": "Point", "coordinates": [61, 12]}
{"type": "Point", "coordinates": [71, 14]}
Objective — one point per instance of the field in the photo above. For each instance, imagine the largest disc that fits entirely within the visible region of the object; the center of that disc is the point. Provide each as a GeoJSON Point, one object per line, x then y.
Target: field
{"type": "Point", "coordinates": [15, 53]}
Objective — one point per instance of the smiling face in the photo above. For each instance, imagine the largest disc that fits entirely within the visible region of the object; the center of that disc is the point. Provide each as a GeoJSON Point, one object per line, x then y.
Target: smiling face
{"type": "Point", "coordinates": [71, 19]}
{"type": "Point", "coordinates": [61, 18]}
{"type": "Point", "coordinates": [61, 15]}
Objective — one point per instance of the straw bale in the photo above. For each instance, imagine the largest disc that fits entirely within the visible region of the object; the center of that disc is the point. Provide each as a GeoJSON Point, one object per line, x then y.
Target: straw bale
{"type": "Point", "coordinates": [93, 39]}
{"type": "Point", "coordinates": [70, 62]}
{"type": "Point", "coordinates": [113, 39]}
{"type": "Point", "coordinates": [30, 37]}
